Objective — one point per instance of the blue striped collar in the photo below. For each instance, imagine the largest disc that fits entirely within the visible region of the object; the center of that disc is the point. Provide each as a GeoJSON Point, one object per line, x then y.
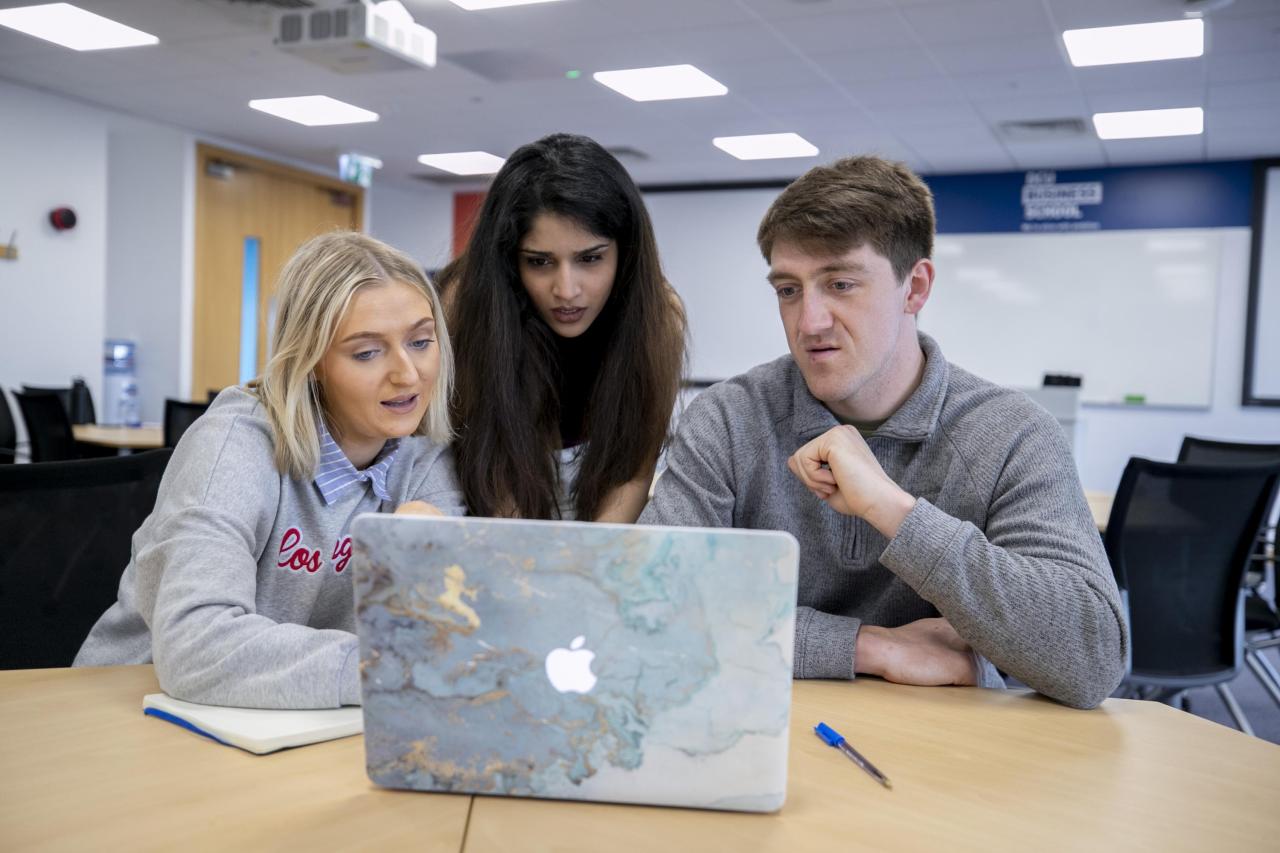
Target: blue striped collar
{"type": "Point", "coordinates": [335, 473]}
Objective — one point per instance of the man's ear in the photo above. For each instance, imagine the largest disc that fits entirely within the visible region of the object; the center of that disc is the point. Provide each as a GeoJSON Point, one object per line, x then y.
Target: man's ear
{"type": "Point", "coordinates": [919, 285]}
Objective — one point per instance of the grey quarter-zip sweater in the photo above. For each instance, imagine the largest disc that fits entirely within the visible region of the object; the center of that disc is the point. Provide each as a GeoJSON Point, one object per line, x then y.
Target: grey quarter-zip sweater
{"type": "Point", "coordinates": [239, 587]}
{"type": "Point", "coordinates": [1001, 541]}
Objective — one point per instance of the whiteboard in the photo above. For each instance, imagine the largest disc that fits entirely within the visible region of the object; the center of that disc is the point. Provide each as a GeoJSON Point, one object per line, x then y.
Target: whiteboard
{"type": "Point", "coordinates": [1130, 311]}
{"type": "Point", "coordinates": [1266, 294]}
{"type": "Point", "coordinates": [707, 241]}
{"type": "Point", "coordinates": [1133, 312]}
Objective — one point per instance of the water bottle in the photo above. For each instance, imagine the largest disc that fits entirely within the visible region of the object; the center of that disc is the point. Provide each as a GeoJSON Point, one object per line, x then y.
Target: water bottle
{"type": "Point", "coordinates": [117, 369]}
{"type": "Point", "coordinates": [128, 407]}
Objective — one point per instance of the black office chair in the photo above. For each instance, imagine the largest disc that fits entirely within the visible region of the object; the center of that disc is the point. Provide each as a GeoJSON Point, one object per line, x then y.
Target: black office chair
{"type": "Point", "coordinates": [178, 417]}
{"type": "Point", "coordinates": [76, 399]}
{"type": "Point", "coordinates": [66, 529]}
{"type": "Point", "coordinates": [63, 394]}
{"type": "Point", "coordinates": [1179, 539]}
{"type": "Point", "coordinates": [1261, 616]}
{"type": "Point", "coordinates": [8, 431]}
{"type": "Point", "coordinates": [48, 426]}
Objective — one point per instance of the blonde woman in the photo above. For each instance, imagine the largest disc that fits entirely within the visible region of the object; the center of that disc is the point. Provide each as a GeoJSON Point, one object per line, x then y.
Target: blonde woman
{"type": "Point", "coordinates": [239, 588]}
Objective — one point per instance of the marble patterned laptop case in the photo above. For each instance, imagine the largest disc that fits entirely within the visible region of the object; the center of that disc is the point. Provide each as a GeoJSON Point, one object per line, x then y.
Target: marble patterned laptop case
{"type": "Point", "coordinates": [576, 661]}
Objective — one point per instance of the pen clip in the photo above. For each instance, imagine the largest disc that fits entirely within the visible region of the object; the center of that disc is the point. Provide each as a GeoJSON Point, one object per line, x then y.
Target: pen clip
{"type": "Point", "coordinates": [828, 734]}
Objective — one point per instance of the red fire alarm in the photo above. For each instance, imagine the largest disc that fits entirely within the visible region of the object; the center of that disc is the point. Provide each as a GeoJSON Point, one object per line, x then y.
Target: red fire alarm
{"type": "Point", "coordinates": [62, 218]}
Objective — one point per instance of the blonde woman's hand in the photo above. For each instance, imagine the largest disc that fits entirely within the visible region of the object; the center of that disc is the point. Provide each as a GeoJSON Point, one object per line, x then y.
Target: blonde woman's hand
{"type": "Point", "coordinates": [417, 508]}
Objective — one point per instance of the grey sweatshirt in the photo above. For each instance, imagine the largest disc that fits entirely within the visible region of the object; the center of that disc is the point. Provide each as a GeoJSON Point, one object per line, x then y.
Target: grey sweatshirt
{"type": "Point", "coordinates": [1000, 542]}
{"type": "Point", "coordinates": [239, 587]}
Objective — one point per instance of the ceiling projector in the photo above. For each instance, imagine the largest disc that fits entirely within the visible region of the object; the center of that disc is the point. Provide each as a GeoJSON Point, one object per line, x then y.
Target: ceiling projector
{"type": "Point", "coordinates": [357, 37]}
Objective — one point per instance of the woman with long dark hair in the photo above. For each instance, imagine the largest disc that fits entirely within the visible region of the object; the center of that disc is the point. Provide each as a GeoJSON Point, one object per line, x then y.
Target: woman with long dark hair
{"type": "Point", "coordinates": [570, 342]}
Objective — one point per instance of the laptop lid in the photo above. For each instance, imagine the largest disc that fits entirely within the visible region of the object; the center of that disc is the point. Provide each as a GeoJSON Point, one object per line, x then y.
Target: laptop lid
{"type": "Point", "coordinates": [604, 662]}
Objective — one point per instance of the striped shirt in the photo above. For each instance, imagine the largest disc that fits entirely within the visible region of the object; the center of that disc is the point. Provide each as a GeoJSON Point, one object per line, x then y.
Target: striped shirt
{"type": "Point", "coordinates": [335, 473]}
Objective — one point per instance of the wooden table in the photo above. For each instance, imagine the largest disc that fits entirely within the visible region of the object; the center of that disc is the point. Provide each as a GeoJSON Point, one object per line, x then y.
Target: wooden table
{"type": "Point", "coordinates": [147, 437]}
{"type": "Point", "coordinates": [972, 770]}
{"type": "Point", "coordinates": [1100, 505]}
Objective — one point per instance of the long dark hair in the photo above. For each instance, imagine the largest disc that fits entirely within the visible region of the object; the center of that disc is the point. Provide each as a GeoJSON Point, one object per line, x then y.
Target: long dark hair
{"type": "Point", "coordinates": [516, 379]}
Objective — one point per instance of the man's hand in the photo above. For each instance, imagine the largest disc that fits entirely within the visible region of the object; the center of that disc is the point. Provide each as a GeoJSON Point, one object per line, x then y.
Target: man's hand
{"type": "Point", "coordinates": [417, 508]}
{"type": "Point", "coordinates": [840, 469]}
{"type": "Point", "coordinates": [924, 652]}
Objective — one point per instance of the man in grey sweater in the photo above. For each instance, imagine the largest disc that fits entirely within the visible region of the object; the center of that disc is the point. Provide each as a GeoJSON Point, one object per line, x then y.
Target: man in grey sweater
{"type": "Point", "coordinates": [941, 521]}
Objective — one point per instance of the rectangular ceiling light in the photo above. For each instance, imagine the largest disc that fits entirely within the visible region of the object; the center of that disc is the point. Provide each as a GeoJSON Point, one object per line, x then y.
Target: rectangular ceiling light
{"type": "Point", "coordinates": [663, 83]}
{"type": "Point", "coordinates": [475, 5]}
{"type": "Point", "coordinates": [464, 162]}
{"type": "Point", "coordinates": [766, 146]}
{"type": "Point", "coordinates": [1139, 124]}
{"type": "Point", "coordinates": [73, 27]}
{"type": "Point", "coordinates": [313, 110]}
{"type": "Point", "coordinates": [1136, 42]}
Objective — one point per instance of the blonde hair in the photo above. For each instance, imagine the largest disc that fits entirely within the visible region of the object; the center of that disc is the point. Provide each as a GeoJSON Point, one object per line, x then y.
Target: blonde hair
{"type": "Point", "coordinates": [316, 287]}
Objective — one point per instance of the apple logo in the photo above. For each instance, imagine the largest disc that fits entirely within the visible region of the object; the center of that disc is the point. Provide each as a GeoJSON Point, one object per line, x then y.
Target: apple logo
{"type": "Point", "coordinates": [569, 670]}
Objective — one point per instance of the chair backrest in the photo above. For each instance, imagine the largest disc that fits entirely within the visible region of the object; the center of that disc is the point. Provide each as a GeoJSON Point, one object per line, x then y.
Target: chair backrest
{"type": "Point", "coordinates": [66, 529]}
{"type": "Point", "coordinates": [63, 394]}
{"type": "Point", "coordinates": [1207, 451]}
{"type": "Point", "coordinates": [8, 431]}
{"type": "Point", "coordinates": [81, 403]}
{"type": "Point", "coordinates": [178, 416]}
{"type": "Point", "coordinates": [48, 426]}
{"type": "Point", "coordinates": [1179, 540]}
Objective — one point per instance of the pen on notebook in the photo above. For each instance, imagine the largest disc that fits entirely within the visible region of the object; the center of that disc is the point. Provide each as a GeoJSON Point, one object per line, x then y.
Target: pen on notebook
{"type": "Point", "coordinates": [833, 738]}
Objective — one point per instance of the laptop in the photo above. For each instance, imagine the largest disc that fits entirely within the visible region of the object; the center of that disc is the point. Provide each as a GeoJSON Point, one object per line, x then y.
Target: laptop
{"type": "Point", "coordinates": [559, 659]}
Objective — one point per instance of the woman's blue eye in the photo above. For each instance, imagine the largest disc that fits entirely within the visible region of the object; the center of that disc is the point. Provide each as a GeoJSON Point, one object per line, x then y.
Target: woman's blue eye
{"type": "Point", "coordinates": [365, 355]}
{"type": "Point", "coordinates": [422, 344]}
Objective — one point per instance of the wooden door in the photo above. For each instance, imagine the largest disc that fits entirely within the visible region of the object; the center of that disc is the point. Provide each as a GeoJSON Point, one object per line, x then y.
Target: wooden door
{"type": "Point", "coordinates": [251, 215]}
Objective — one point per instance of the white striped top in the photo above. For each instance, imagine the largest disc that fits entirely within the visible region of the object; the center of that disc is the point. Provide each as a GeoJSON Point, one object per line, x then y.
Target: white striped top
{"type": "Point", "coordinates": [335, 473]}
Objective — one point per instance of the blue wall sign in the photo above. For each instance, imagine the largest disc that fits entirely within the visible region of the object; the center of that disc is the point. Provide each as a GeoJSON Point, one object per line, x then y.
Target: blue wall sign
{"type": "Point", "coordinates": [1194, 195]}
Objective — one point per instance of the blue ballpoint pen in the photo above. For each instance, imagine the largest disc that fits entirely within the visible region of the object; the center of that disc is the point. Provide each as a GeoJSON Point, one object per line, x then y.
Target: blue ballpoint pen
{"type": "Point", "coordinates": [834, 738]}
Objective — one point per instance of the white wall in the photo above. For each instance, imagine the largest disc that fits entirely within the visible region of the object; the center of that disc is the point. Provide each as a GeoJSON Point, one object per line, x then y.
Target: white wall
{"type": "Point", "coordinates": [147, 210]}
{"type": "Point", "coordinates": [417, 222]}
{"type": "Point", "coordinates": [53, 297]}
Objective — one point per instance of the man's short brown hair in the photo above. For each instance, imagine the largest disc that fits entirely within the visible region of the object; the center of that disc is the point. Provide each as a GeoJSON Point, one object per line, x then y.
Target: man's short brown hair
{"type": "Point", "coordinates": [854, 202]}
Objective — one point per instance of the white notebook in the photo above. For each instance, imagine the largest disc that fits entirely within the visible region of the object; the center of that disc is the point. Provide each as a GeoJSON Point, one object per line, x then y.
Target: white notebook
{"type": "Point", "coordinates": [257, 730]}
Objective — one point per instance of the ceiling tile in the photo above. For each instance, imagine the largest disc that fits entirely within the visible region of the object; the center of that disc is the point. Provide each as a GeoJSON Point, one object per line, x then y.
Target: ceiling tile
{"type": "Point", "coordinates": [1040, 83]}
{"type": "Point", "coordinates": [1000, 55]}
{"type": "Point", "coordinates": [979, 21]}
{"type": "Point", "coordinates": [1077, 14]}
{"type": "Point", "coordinates": [1233, 119]}
{"type": "Point", "coordinates": [1173, 149]}
{"type": "Point", "coordinates": [1145, 99]}
{"type": "Point", "coordinates": [1033, 108]}
{"type": "Point", "coordinates": [1244, 67]}
{"type": "Point", "coordinates": [1242, 144]}
{"type": "Point", "coordinates": [1076, 154]}
{"type": "Point", "coordinates": [865, 67]}
{"type": "Point", "coordinates": [954, 113]}
{"type": "Point", "coordinates": [856, 30]}
{"type": "Point", "coordinates": [1262, 95]}
{"type": "Point", "coordinates": [1252, 33]}
{"type": "Point", "coordinates": [1188, 74]}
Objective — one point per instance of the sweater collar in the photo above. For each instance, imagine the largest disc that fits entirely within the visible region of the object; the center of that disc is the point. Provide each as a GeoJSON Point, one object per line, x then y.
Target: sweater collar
{"type": "Point", "coordinates": [915, 420]}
